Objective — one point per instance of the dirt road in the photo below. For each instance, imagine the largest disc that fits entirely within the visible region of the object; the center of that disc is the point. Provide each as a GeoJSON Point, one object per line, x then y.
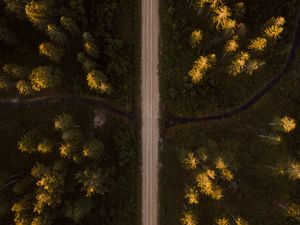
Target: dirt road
{"type": "Point", "coordinates": [150, 111]}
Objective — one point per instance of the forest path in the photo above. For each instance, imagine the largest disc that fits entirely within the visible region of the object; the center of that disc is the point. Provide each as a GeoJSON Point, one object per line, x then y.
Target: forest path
{"type": "Point", "coordinates": [150, 111]}
{"type": "Point", "coordinates": [177, 120]}
{"type": "Point", "coordinates": [71, 99]}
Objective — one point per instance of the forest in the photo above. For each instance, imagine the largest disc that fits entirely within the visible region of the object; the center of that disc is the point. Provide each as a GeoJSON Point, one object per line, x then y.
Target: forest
{"type": "Point", "coordinates": [228, 161]}
{"type": "Point", "coordinates": [69, 75]}
{"type": "Point", "coordinates": [74, 116]}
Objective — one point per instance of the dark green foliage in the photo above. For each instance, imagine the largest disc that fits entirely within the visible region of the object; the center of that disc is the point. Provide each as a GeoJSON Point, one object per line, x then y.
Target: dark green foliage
{"type": "Point", "coordinates": [76, 210]}
{"type": "Point", "coordinates": [256, 191]}
{"type": "Point", "coordinates": [98, 149]}
{"type": "Point", "coordinates": [109, 29]}
{"type": "Point", "coordinates": [218, 91]}
{"type": "Point", "coordinates": [28, 143]}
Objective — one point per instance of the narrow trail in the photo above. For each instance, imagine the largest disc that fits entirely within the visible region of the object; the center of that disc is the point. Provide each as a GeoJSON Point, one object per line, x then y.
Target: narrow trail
{"type": "Point", "coordinates": [150, 111]}
{"type": "Point", "coordinates": [67, 99]}
{"type": "Point", "coordinates": [175, 120]}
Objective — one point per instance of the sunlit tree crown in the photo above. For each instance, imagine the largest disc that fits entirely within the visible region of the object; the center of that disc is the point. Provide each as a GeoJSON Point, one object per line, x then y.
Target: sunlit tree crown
{"type": "Point", "coordinates": [188, 218]}
{"type": "Point", "coordinates": [240, 221]}
{"type": "Point", "coordinates": [288, 124]}
{"type": "Point", "coordinates": [239, 63]}
{"type": "Point", "coordinates": [36, 12]}
{"type": "Point", "coordinates": [293, 170]}
{"type": "Point", "coordinates": [275, 27]}
{"type": "Point", "coordinates": [45, 146]}
{"type": "Point", "coordinates": [201, 66]}
{"type": "Point", "coordinates": [3, 84]}
{"type": "Point", "coordinates": [65, 150]}
{"type": "Point", "coordinates": [222, 16]}
{"type": "Point", "coordinates": [51, 51]}
{"type": "Point", "coordinates": [258, 44]}
{"type": "Point", "coordinates": [97, 81]}
{"type": "Point", "coordinates": [191, 161]}
{"type": "Point", "coordinates": [196, 37]}
{"type": "Point", "coordinates": [43, 77]}
{"type": "Point", "coordinates": [294, 211]}
{"type": "Point", "coordinates": [222, 221]}
{"type": "Point", "coordinates": [24, 88]}
{"type": "Point", "coordinates": [93, 149]}
{"type": "Point", "coordinates": [192, 195]}
{"type": "Point", "coordinates": [232, 45]}
{"type": "Point", "coordinates": [91, 181]}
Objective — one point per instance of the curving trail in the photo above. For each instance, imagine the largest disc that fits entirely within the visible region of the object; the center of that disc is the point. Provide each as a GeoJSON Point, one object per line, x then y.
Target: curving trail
{"type": "Point", "coordinates": [150, 111]}
{"type": "Point", "coordinates": [173, 120]}
{"type": "Point", "coordinates": [38, 101]}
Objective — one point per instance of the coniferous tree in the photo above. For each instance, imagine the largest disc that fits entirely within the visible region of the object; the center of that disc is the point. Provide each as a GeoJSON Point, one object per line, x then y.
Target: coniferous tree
{"type": "Point", "coordinates": [222, 166]}
{"type": "Point", "coordinates": [221, 15]}
{"type": "Point", "coordinates": [45, 146]}
{"type": "Point", "coordinates": [97, 81]}
{"type": "Point", "coordinates": [16, 7]}
{"type": "Point", "coordinates": [206, 184]}
{"type": "Point", "coordinates": [293, 211]}
{"type": "Point", "coordinates": [51, 51]}
{"type": "Point", "coordinates": [196, 37]}
{"type": "Point", "coordinates": [76, 210]}
{"type": "Point", "coordinates": [253, 65]}
{"type": "Point", "coordinates": [232, 45]}
{"type": "Point", "coordinates": [92, 181]}
{"type": "Point", "coordinates": [285, 124]}
{"type": "Point", "coordinates": [258, 44]}
{"type": "Point", "coordinates": [22, 212]}
{"type": "Point", "coordinates": [222, 18]}
{"type": "Point", "coordinates": [90, 45]}
{"type": "Point", "coordinates": [293, 170]}
{"type": "Point", "coordinates": [64, 122]}
{"type": "Point", "coordinates": [3, 83]}
{"type": "Point", "coordinates": [222, 221]}
{"type": "Point", "coordinates": [188, 218]}
{"type": "Point", "coordinates": [190, 161]}
{"type": "Point", "coordinates": [28, 143]}
{"type": "Point", "coordinates": [192, 195]}
{"type": "Point", "coordinates": [239, 63]}
{"type": "Point", "coordinates": [274, 27]}
{"type": "Point", "coordinates": [24, 88]}
{"type": "Point", "coordinates": [66, 150]}
{"type": "Point", "coordinates": [38, 12]}
{"type": "Point", "coordinates": [73, 135]}
{"type": "Point", "coordinates": [201, 66]}
{"type": "Point", "coordinates": [49, 193]}
{"type": "Point", "coordinates": [93, 149]}
{"type": "Point", "coordinates": [43, 77]}
{"type": "Point", "coordinates": [70, 25]}
{"type": "Point", "coordinates": [87, 63]}
{"type": "Point", "coordinates": [56, 35]}
{"type": "Point", "coordinates": [240, 221]}
{"type": "Point", "coordinates": [15, 70]}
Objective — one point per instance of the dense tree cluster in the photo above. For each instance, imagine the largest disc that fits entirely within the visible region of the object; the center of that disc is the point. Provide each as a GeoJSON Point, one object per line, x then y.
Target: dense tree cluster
{"type": "Point", "coordinates": [239, 56]}
{"type": "Point", "coordinates": [208, 176]}
{"type": "Point", "coordinates": [63, 187]}
{"type": "Point", "coordinates": [75, 47]}
{"type": "Point", "coordinates": [57, 27]}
